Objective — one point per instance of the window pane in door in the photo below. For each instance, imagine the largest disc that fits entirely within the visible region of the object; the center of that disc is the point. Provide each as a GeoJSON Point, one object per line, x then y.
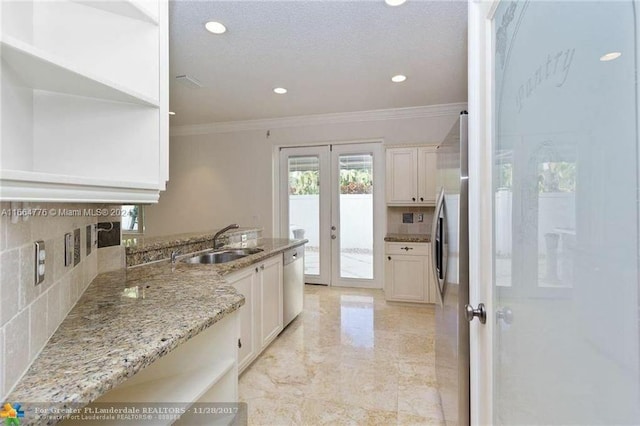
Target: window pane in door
{"type": "Point", "coordinates": [356, 216]}
{"type": "Point", "coordinates": [304, 208]}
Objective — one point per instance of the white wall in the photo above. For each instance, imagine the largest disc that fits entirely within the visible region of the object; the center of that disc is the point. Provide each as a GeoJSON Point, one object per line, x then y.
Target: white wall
{"type": "Point", "coordinates": [222, 178]}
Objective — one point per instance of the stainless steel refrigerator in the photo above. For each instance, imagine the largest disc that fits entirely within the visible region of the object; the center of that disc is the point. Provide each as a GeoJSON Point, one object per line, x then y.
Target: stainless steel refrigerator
{"type": "Point", "coordinates": [450, 266]}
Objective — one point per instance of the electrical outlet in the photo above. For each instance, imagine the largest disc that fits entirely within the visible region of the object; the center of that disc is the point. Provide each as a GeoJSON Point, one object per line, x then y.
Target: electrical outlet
{"type": "Point", "coordinates": [68, 249]}
{"type": "Point", "coordinates": [420, 217]}
{"type": "Point", "coordinates": [76, 247]}
{"type": "Point", "coordinates": [88, 240]}
{"type": "Point", "coordinates": [41, 255]}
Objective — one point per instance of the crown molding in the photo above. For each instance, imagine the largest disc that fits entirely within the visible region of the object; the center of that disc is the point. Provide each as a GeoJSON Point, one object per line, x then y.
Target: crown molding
{"type": "Point", "coordinates": [320, 119]}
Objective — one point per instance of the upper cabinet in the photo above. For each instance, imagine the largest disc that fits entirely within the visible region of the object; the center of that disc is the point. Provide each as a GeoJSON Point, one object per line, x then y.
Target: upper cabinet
{"type": "Point", "coordinates": [411, 174]}
{"type": "Point", "coordinates": [84, 92]}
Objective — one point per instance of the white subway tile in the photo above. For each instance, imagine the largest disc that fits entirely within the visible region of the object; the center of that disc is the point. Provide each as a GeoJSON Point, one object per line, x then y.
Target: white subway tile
{"type": "Point", "coordinates": [29, 291]}
{"type": "Point", "coordinates": [38, 325]}
{"type": "Point", "coordinates": [9, 285]}
{"type": "Point", "coordinates": [55, 308]}
{"type": "Point", "coordinates": [2, 393]}
{"type": "Point", "coordinates": [16, 349]}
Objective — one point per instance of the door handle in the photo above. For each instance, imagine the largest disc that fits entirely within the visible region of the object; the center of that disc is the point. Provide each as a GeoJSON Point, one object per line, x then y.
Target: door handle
{"type": "Point", "coordinates": [333, 237]}
{"type": "Point", "coordinates": [505, 314]}
{"type": "Point", "coordinates": [480, 313]}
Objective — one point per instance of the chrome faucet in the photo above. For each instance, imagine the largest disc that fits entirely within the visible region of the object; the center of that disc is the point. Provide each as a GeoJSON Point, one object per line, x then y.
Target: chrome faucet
{"type": "Point", "coordinates": [174, 256]}
{"type": "Point", "coordinates": [222, 231]}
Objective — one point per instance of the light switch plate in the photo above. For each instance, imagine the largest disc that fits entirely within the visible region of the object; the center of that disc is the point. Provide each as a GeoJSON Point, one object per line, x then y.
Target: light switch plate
{"type": "Point", "coordinates": [76, 247]}
{"type": "Point", "coordinates": [88, 240]}
{"type": "Point", "coordinates": [68, 249]}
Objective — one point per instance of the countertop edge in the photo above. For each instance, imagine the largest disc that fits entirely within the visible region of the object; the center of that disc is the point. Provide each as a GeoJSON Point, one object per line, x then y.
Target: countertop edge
{"type": "Point", "coordinates": [409, 238]}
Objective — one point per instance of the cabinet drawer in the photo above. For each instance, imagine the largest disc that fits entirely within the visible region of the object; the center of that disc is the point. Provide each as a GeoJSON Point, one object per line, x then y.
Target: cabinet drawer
{"type": "Point", "coordinates": [415, 249]}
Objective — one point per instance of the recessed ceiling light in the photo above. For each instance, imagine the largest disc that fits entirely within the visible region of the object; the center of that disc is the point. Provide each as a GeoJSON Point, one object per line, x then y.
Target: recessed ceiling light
{"type": "Point", "coordinates": [215, 27]}
{"type": "Point", "coordinates": [172, 113]}
{"type": "Point", "coordinates": [610, 56]}
{"type": "Point", "coordinates": [280, 90]}
{"type": "Point", "coordinates": [398, 78]}
{"type": "Point", "coordinates": [394, 2]}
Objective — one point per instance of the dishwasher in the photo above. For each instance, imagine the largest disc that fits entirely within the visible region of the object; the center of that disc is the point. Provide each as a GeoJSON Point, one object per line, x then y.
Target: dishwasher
{"type": "Point", "coordinates": [293, 278]}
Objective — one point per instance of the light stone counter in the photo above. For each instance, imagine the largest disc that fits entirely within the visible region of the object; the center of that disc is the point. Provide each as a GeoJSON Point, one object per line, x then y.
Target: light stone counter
{"type": "Point", "coordinates": [125, 321]}
{"type": "Point", "coordinates": [408, 238]}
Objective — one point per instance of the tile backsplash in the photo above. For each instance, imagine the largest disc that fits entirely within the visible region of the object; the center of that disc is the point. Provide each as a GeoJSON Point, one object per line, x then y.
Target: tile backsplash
{"type": "Point", "coordinates": [399, 220]}
{"type": "Point", "coordinates": [29, 313]}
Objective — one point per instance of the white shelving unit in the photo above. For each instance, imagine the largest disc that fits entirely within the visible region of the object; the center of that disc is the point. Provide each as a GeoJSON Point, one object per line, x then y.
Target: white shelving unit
{"type": "Point", "coordinates": [84, 91]}
{"type": "Point", "coordinates": [202, 370]}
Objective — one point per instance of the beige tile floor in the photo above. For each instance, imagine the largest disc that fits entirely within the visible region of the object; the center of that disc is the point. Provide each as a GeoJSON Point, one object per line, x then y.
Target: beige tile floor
{"type": "Point", "coordinates": [349, 359]}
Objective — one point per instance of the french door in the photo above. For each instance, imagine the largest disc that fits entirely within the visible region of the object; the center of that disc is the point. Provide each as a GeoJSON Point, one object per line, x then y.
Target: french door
{"type": "Point", "coordinates": [554, 216]}
{"type": "Point", "coordinates": [330, 195]}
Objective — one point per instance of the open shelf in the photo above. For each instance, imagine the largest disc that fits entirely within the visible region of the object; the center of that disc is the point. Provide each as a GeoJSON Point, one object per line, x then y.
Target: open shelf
{"type": "Point", "coordinates": [45, 72]}
{"type": "Point", "coordinates": [183, 387]}
{"type": "Point", "coordinates": [129, 9]}
{"type": "Point", "coordinates": [19, 185]}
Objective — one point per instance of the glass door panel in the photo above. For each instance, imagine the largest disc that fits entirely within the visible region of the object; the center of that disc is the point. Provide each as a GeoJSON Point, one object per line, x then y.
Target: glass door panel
{"type": "Point", "coordinates": [356, 215]}
{"type": "Point", "coordinates": [304, 208]}
{"type": "Point", "coordinates": [357, 231]}
{"type": "Point", "coordinates": [566, 341]}
{"type": "Point", "coordinates": [305, 201]}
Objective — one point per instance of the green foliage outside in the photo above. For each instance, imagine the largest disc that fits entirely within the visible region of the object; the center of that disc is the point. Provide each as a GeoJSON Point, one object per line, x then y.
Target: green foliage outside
{"type": "Point", "coordinates": [351, 182]}
{"type": "Point", "coordinates": [552, 177]}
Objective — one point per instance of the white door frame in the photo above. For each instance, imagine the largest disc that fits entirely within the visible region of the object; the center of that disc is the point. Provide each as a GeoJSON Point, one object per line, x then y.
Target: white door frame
{"type": "Point", "coordinates": [324, 159]}
{"type": "Point", "coordinates": [281, 212]}
{"type": "Point", "coordinates": [376, 149]}
{"type": "Point", "coordinates": [481, 107]}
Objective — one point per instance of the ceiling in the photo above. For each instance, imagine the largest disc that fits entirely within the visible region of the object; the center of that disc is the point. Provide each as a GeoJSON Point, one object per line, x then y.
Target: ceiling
{"type": "Point", "coordinates": [332, 56]}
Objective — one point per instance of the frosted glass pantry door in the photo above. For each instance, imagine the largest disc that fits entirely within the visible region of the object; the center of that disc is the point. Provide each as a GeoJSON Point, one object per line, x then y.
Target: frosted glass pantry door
{"type": "Point", "coordinates": [565, 213]}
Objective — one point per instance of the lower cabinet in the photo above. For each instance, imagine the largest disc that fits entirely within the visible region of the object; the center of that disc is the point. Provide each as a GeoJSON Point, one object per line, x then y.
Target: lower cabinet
{"type": "Point", "coordinates": [261, 315]}
{"type": "Point", "coordinates": [271, 300]}
{"type": "Point", "coordinates": [408, 276]}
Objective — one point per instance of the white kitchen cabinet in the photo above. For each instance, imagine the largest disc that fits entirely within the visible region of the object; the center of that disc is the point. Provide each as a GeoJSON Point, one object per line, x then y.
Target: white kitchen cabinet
{"type": "Point", "coordinates": [84, 100]}
{"type": "Point", "coordinates": [261, 315]}
{"type": "Point", "coordinates": [411, 173]}
{"type": "Point", "coordinates": [427, 191]}
{"type": "Point", "coordinates": [245, 282]}
{"type": "Point", "coordinates": [408, 276]}
{"type": "Point", "coordinates": [271, 298]}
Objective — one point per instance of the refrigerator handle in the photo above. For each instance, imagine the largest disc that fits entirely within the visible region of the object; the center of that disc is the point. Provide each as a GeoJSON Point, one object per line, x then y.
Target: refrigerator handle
{"type": "Point", "coordinates": [436, 245]}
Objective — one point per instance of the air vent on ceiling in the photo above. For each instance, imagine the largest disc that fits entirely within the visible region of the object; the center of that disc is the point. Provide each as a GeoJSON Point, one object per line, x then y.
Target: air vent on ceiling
{"type": "Point", "coordinates": [188, 81]}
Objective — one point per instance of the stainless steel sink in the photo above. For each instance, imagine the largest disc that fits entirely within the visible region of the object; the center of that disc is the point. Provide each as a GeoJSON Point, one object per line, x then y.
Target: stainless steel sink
{"type": "Point", "coordinates": [223, 256]}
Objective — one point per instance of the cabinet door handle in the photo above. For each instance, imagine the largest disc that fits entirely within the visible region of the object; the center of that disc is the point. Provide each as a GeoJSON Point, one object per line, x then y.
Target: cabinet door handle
{"type": "Point", "coordinates": [421, 199]}
{"type": "Point", "coordinates": [256, 270]}
{"type": "Point", "coordinates": [407, 248]}
{"type": "Point", "coordinates": [239, 343]}
{"type": "Point", "coordinates": [413, 198]}
{"type": "Point", "coordinates": [262, 267]}
{"type": "Point", "coordinates": [389, 257]}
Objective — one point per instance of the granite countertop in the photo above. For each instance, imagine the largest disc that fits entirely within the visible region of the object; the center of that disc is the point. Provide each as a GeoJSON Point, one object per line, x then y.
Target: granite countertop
{"type": "Point", "coordinates": [408, 238]}
{"type": "Point", "coordinates": [125, 321]}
